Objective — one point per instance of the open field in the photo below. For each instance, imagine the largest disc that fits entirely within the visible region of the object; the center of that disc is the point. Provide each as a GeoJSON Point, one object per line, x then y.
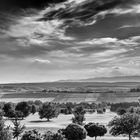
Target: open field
{"type": "Point", "coordinates": [70, 92]}
{"type": "Point", "coordinates": [33, 122]}
{"type": "Point", "coordinates": [72, 97]}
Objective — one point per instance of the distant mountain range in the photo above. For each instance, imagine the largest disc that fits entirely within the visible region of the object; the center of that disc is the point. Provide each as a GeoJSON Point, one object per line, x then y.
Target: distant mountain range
{"type": "Point", "coordinates": [107, 79]}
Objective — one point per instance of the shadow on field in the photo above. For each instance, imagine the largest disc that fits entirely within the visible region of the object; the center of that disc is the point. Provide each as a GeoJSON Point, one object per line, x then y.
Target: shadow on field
{"type": "Point", "coordinates": [39, 121]}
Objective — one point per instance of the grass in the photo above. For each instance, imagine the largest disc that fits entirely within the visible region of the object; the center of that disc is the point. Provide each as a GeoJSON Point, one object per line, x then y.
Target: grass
{"type": "Point", "coordinates": [33, 122]}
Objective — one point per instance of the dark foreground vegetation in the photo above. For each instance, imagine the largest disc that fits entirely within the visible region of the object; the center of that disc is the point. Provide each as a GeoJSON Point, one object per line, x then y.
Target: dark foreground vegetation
{"type": "Point", "coordinates": [127, 122]}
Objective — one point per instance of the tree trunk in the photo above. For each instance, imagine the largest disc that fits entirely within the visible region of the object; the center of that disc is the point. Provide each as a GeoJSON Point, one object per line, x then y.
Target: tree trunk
{"type": "Point", "coordinates": [95, 138]}
{"type": "Point", "coordinates": [129, 136]}
{"type": "Point", "coordinates": [17, 138]}
{"type": "Point", "coordinates": [48, 119]}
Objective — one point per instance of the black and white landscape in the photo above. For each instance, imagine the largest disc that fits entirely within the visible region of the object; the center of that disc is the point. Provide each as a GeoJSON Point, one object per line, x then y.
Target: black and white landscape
{"type": "Point", "coordinates": [68, 67]}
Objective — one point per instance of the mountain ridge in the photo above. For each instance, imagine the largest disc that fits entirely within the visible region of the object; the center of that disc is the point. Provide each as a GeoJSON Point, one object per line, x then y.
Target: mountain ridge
{"type": "Point", "coordinates": [135, 78]}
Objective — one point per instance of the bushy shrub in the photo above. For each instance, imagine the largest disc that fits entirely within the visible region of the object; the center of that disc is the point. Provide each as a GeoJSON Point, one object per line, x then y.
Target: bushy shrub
{"type": "Point", "coordinates": [33, 109]}
{"type": "Point", "coordinates": [121, 111]}
{"type": "Point", "coordinates": [48, 111]}
{"type": "Point", "coordinates": [74, 132]}
{"type": "Point", "coordinates": [53, 136]}
{"type": "Point", "coordinates": [5, 133]}
{"type": "Point", "coordinates": [100, 111]}
{"type": "Point", "coordinates": [78, 119]}
{"type": "Point", "coordinates": [23, 107]}
{"type": "Point", "coordinates": [79, 115]}
{"type": "Point", "coordinates": [31, 135]}
{"type": "Point", "coordinates": [18, 129]}
{"type": "Point", "coordinates": [8, 109]}
{"type": "Point", "coordinates": [128, 124]}
{"type": "Point", "coordinates": [95, 130]}
{"type": "Point", "coordinates": [125, 105]}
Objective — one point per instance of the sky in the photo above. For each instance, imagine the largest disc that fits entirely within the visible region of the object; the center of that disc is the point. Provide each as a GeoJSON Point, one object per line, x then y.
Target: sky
{"type": "Point", "coordinates": [50, 40]}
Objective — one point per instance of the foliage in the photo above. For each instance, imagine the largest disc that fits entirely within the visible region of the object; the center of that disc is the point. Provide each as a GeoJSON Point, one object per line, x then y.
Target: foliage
{"type": "Point", "coordinates": [78, 113]}
{"type": "Point", "coordinates": [131, 109]}
{"type": "Point", "coordinates": [48, 111]}
{"type": "Point", "coordinates": [1, 113]}
{"type": "Point", "coordinates": [78, 119]}
{"type": "Point", "coordinates": [79, 110]}
{"type": "Point", "coordinates": [23, 107]}
{"type": "Point", "coordinates": [8, 109]}
{"type": "Point", "coordinates": [95, 130]}
{"type": "Point", "coordinates": [74, 132]}
{"type": "Point", "coordinates": [100, 111]}
{"type": "Point", "coordinates": [121, 111]}
{"type": "Point", "coordinates": [5, 133]}
{"type": "Point", "coordinates": [128, 124]}
{"type": "Point", "coordinates": [134, 110]}
{"type": "Point", "coordinates": [52, 136]}
{"type": "Point", "coordinates": [18, 129]}
{"type": "Point", "coordinates": [33, 109]}
{"type": "Point", "coordinates": [2, 105]}
{"type": "Point", "coordinates": [135, 90]}
{"type": "Point", "coordinates": [31, 135]}
{"type": "Point", "coordinates": [125, 105]}
{"type": "Point", "coordinates": [38, 102]}
{"type": "Point", "coordinates": [69, 108]}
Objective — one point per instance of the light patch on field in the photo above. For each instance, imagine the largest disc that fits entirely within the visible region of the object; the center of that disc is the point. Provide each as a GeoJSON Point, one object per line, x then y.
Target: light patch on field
{"type": "Point", "coordinates": [34, 122]}
{"type": "Point", "coordinates": [77, 97]}
{"type": "Point", "coordinates": [92, 97]}
{"type": "Point", "coordinates": [16, 100]}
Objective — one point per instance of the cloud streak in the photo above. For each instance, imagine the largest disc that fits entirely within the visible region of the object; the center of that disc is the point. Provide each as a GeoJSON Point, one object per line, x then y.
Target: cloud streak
{"type": "Point", "coordinates": [74, 36]}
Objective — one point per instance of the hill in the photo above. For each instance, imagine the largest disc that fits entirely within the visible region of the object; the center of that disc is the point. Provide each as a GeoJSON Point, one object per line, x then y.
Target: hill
{"type": "Point", "coordinates": [107, 79]}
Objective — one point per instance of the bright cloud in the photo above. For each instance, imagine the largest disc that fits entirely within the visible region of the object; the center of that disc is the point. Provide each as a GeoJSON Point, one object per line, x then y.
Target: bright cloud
{"type": "Point", "coordinates": [70, 39]}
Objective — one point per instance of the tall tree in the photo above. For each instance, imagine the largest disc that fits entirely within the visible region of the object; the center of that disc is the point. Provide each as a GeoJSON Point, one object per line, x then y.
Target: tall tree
{"type": "Point", "coordinates": [48, 111]}
{"type": "Point", "coordinates": [121, 111]}
{"type": "Point", "coordinates": [95, 130]}
{"type": "Point", "coordinates": [18, 129]}
{"type": "Point", "coordinates": [5, 133]}
{"type": "Point", "coordinates": [8, 109]}
{"type": "Point", "coordinates": [74, 132]}
{"type": "Point", "coordinates": [79, 115]}
{"type": "Point", "coordinates": [128, 124]}
{"type": "Point", "coordinates": [33, 109]}
{"type": "Point", "coordinates": [23, 107]}
{"type": "Point", "coordinates": [31, 135]}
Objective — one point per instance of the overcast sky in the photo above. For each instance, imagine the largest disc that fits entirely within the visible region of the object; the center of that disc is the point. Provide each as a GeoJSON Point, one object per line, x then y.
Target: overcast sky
{"type": "Point", "coordinates": [52, 40]}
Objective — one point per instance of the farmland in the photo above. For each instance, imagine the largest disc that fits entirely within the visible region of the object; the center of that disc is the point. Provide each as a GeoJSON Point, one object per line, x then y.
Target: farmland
{"type": "Point", "coordinates": [70, 92]}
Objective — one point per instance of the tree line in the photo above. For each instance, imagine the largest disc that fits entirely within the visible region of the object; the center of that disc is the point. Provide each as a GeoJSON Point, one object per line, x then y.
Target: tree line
{"type": "Point", "coordinates": [127, 122]}
{"type": "Point", "coordinates": [124, 124]}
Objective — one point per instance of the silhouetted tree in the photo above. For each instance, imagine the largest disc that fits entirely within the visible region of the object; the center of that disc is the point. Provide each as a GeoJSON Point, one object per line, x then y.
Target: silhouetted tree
{"type": "Point", "coordinates": [33, 109]}
{"type": "Point", "coordinates": [78, 119]}
{"type": "Point", "coordinates": [121, 111]}
{"type": "Point", "coordinates": [8, 109]}
{"type": "Point", "coordinates": [53, 136]}
{"type": "Point", "coordinates": [31, 135]}
{"type": "Point", "coordinates": [128, 124]}
{"type": "Point", "coordinates": [18, 129]}
{"type": "Point", "coordinates": [95, 130]}
{"type": "Point", "coordinates": [79, 115]}
{"type": "Point", "coordinates": [23, 107]}
{"type": "Point", "coordinates": [5, 133]}
{"type": "Point", "coordinates": [74, 132]}
{"type": "Point", "coordinates": [48, 111]}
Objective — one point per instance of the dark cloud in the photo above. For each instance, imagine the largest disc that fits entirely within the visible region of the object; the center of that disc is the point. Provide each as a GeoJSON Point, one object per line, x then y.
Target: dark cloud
{"type": "Point", "coordinates": [94, 49]}
{"type": "Point", "coordinates": [23, 4]}
{"type": "Point", "coordinates": [85, 10]}
{"type": "Point", "coordinates": [107, 27]}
